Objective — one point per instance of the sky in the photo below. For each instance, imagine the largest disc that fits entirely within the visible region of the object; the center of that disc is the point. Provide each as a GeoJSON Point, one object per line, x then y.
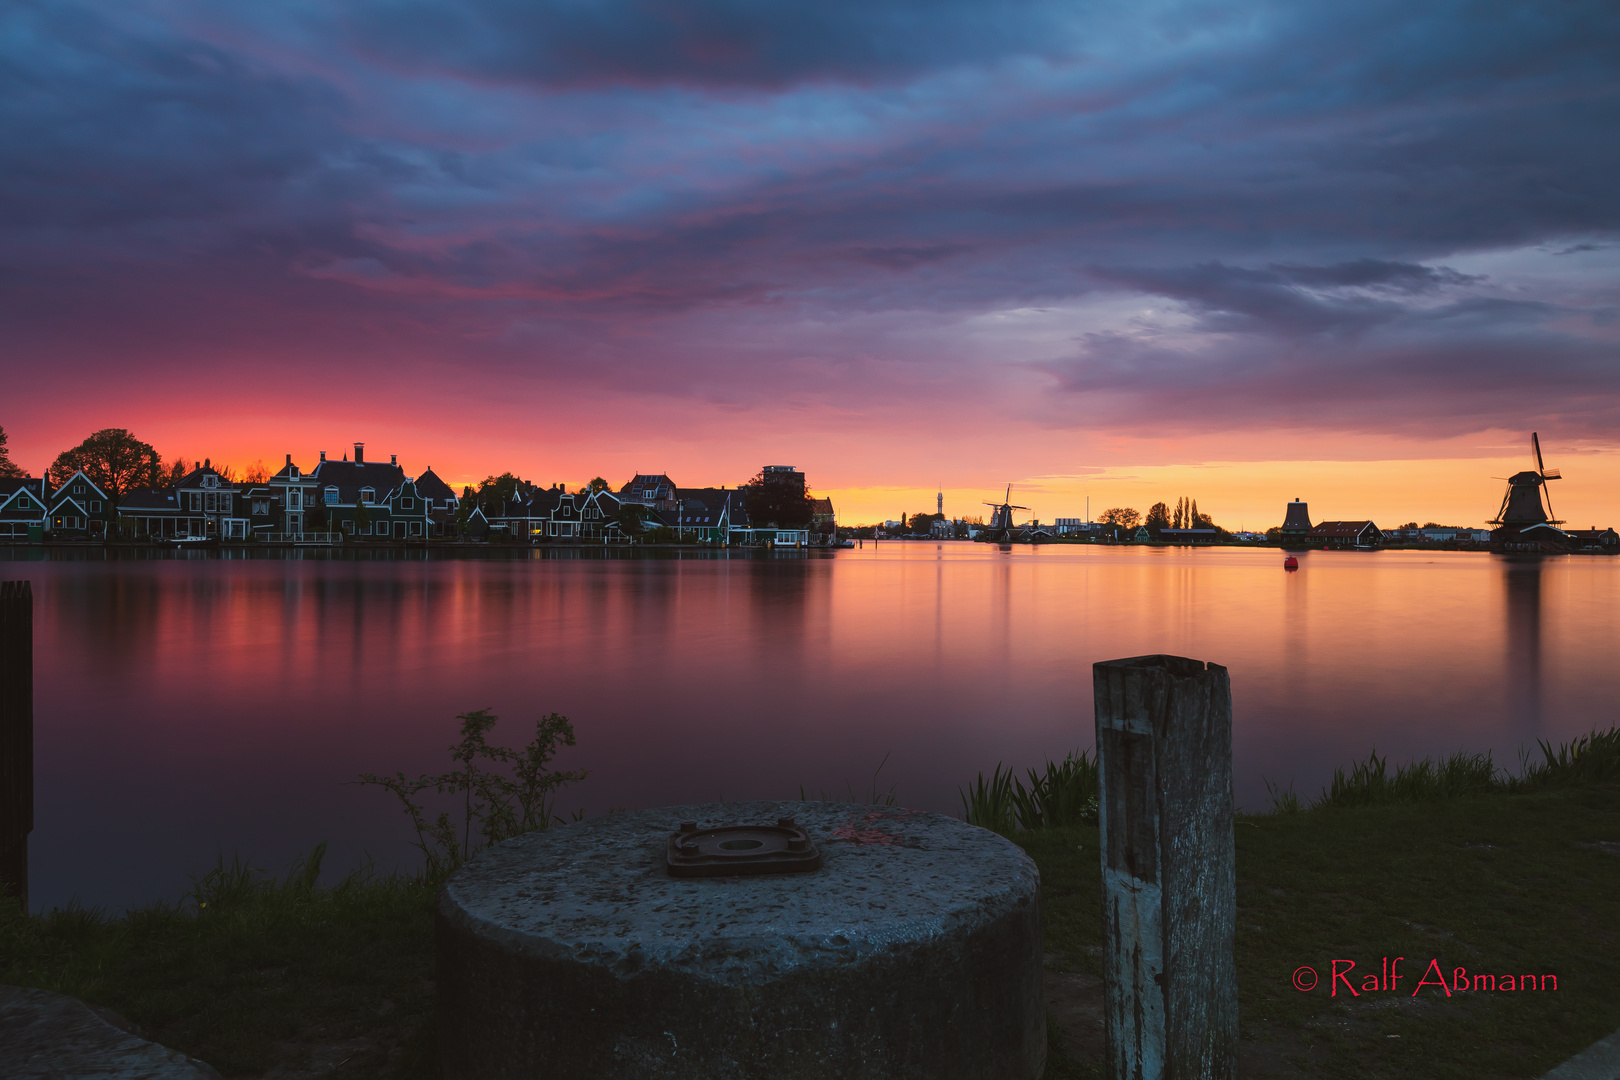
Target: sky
{"type": "Point", "coordinates": [1124, 252]}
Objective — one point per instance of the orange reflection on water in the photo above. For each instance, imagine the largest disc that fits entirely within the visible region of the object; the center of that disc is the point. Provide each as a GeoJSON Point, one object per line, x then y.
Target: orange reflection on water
{"type": "Point", "coordinates": [189, 706]}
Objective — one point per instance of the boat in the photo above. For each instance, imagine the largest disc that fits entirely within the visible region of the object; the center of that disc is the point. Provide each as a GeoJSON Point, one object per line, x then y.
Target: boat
{"type": "Point", "coordinates": [1290, 563]}
{"type": "Point", "coordinates": [194, 541]}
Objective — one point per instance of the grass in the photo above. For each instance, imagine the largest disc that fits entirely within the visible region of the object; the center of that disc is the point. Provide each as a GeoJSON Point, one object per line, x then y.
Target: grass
{"type": "Point", "coordinates": [1522, 874]}
{"type": "Point", "coordinates": [1448, 860]}
{"type": "Point", "coordinates": [250, 973]}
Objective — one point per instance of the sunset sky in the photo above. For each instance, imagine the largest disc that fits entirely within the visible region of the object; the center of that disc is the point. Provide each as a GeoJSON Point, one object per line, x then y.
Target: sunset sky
{"type": "Point", "coordinates": [1349, 252]}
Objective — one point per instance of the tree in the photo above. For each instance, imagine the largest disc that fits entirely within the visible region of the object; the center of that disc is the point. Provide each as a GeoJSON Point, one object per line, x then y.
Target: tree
{"type": "Point", "coordinates": [779, 501]}
{"type": "Point", "coordinates": [596, 484]}
{"type": "Point", "coordinates": [496, 491]}
{"type": "Point", "coordinates": [1122, 516]}
{"type": "Point", "coordinates": [114, 460]}
{"type": "Point", "coordinates": [8, 468]}
{"type": "Point", "coordinates": [1158, 517]}
{"type": "Point", "coordinates": [256, 473]}
{"type": "Point", "coordinates": [172, 473]}
{"type": "Point", "coordinates": [632, 518]}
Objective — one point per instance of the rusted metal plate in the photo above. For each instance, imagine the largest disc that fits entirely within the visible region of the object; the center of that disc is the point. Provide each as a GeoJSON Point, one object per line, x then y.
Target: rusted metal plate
{"type": "Point", "coordinates": [740, 850]}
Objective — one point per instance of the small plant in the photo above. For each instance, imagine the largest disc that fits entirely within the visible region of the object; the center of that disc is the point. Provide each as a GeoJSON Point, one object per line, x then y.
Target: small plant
{"type": "Point", "coordinates": [495, 806]}
{"type": "Point", "coordinates": [1065, 795]}
{"type": "Point", "coordinates": [1590, 759]}
{"type": "Point", "coordinates": [872, 796]}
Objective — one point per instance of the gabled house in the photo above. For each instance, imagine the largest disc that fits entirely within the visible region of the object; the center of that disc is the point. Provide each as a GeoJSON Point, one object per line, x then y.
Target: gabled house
{"type": "Point", "coordinates": [22, 508]}
{"type": "Point", "coordinates": [709, 515]}
{"type": "Point", "coordinates": [656, 491]}
{"type": "Point", "coordinates": [407, 512]}
{"type": "Point", "coordinates": [207, 504]}
{"type": "Point", "coordinates": [360, 497]}
{"type": "Point", "coordinates": [80, 509]}
{"type": "Point", "coordinates": [1345, 534]}
{"type": "Point", "coordinates": [599, 518]}
{"type": "Point", "coordinates": [565, 516]}
{"type": "Point", "coordinates": [440, 502]}
{"type": "Point", "coordinates": [294, 493]}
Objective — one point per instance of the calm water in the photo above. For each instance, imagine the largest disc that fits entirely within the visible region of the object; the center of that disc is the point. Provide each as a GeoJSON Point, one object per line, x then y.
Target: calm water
{"type": "Point", "coordinates": [195, 705]}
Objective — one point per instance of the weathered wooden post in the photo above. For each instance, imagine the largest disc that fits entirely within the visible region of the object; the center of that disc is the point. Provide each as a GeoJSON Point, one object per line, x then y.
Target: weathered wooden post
{"type": "Point", "coordinates": [1164, 757]}
{"type": "Point", "coordinates": [16, 734]}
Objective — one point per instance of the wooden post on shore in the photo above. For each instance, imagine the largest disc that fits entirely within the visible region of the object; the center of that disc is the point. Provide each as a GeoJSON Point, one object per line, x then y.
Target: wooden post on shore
{"type": "Point", "coordinates": [1164, 762]}
{"type": "Point", "coordinates": [16, 735]}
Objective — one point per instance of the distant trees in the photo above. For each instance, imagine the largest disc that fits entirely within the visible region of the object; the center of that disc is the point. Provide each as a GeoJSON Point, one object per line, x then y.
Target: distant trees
{"type": "Point", "coordinates": [1158, 517]}
{"type": "Point", "coordinates": [8, 468]}
{"type": "Point", "coordinates": [256, 473]}
{"type": "Point", "coordinates": [1188, 517]}
{"type": "Point", "coordinates": [924, 523]}
{"type": "Point", "coordinates": [114, 460]}
{"type": "Point", "coordinates": [779, 500]}
{"type": "Point", "coordinates": [596, 484]}
{"type": "Point", "coordinates": [1123, 517]}
{"type": "Point", "coordinates": [172, 473]}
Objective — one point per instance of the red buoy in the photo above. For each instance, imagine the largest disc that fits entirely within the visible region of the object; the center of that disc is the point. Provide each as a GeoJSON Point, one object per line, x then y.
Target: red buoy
{"type": "Point", "coordinates": [1290, 563]}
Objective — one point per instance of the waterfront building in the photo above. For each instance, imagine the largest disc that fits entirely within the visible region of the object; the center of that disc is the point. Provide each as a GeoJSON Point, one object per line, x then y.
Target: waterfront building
{"type": "Point", "coordinates": [370, 499]}
{"type": "Point", "coordinates": [80, 509]}
{"type": "Point", "coordinates": [1345, 534]}
{"type": "Point", "coordinates": [23, 508]}
{"type": "Point", "coordinates": [294, 494]}
{"type": "Point", "coordinates": [655, 491]}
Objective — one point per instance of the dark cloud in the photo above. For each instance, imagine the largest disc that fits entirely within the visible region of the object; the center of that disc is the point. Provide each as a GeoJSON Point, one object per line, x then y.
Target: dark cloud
{"type": "Point", "coordinates": [500, 183]}
{"type": "Point", "coordinates": [715, 43]}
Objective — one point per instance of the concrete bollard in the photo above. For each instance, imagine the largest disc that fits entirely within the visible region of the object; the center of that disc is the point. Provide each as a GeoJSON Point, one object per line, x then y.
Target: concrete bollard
{"type": "Point", "coordinates": [1164, 756]}
{"type": "Point", "coordinates": [912, 952]}
{"type": "Point", "coordinates": [16, 735]}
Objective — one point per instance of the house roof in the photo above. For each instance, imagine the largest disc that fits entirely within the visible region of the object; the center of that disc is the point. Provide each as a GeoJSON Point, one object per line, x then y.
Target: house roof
{"type": "Point", "coordinates": [1330, 529]}
{"type": "Point", "coordinates": [149, 499]}
{"type": "Point", "coordinates": [429, 486]}
{"type": "Point", "coordinates": [10, 485]}
{"type": "Point", "coordinates": [350, 476]}
{"type": "Point", "coordinates": [821, 506]}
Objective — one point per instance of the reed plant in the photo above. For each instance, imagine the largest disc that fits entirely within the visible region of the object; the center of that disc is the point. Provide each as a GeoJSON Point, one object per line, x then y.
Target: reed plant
{"type": "Point", "coordinates": [1062, 796]}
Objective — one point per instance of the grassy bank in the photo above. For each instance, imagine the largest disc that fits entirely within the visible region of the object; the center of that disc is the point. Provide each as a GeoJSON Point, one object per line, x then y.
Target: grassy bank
{"type": "Point", "coordinates": [251, 974]}
{"type": "Point", "coordinates": [1452, 861]}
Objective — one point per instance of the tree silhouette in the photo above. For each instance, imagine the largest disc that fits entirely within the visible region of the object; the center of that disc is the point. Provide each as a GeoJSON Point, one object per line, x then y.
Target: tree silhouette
{"type": "Point", "coordinates": [114, 460]}
{"type": "Point", "coordinates": [8, 468]}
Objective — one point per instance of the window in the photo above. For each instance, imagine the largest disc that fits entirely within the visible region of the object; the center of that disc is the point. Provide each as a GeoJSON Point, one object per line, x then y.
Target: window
{"type": "Point", "coordinates": [194, 502]}
{"type": "Point", "coordinates": [295, 500]}
{"type": "Point", "coordinates": [331, 496]}
{"type": "Point", "coordinates": [210, 481]}
{"type": "Point", "coordinates": [407, 503]}
{"type": "Point", "coordinates": [210, 502]}
{"type": "Point", "coordinates": [78, 489]}
{"type": "Point", "coordinates": [416, 528]}
{"type": "Point", "coordinates": [368, 495]}
{"type": "Point", "coordinates": [348, 527]}
{"type": "Point", "coordinates": [95, 506]}
{"type": "Point", "coordinates": [261, 507]}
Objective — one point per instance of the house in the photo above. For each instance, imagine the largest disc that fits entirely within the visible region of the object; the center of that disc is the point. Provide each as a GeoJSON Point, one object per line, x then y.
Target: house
{"type": "Point", "coordinates": [440, 502]}
{"type": "Point", "coordinates": [707, 514]}
{"type": "Point", "coordinates": [1189, 536]}
{"type": "Point", "coordinates": [1345, 534]}
{"type": "Point", "coordinates": [22, 508]}
{"type": "Point", "coordinates": [207, 504]}
{"type": "Point", "coordinates": [79, 509]}
{"type": "Point", "coordinates": [362, 499]}
{"type": "Point", "coordinates": [1606, 541]}
{"type": "Point", "coordinates": [656, 491]}
{"type": "Point", "coordinates": [148, 512]}
{"type": "Point", "coordinates": [295, 494]}
{"type": "Point", "coordinates": [824, 522]}
{"type": "Point", "coordinates": [599, 518]}
{"type": "Point", "coordinates": [565, 516]}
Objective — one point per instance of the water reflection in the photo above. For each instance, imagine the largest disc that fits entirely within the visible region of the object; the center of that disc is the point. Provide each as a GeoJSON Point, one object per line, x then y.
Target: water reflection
{"type": "Point", "coordinates": [1522, 581]}
{"type": "Point", "coordinates": [191, 704]}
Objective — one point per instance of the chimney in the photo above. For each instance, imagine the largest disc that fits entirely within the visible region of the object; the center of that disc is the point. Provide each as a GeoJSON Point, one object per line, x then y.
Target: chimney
{"type": "Point", "coordinates": [359, 453]}
{"type": "Point", "coordinates": [323, 455]}
{"type": "Point", "coordinates": [289, 459]}
{"type": "Point", "coordinates": [393, 459]}
{"type": "Point", "coordinates": [206, 465]}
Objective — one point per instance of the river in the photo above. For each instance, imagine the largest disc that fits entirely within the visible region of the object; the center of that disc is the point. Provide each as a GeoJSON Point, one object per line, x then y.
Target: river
{"type": "Point", "coordinates": [199, 704]}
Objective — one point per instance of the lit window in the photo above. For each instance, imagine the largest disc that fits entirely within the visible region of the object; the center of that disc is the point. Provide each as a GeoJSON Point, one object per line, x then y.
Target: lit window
{"type": "Point", "coordinates": [368, 495]}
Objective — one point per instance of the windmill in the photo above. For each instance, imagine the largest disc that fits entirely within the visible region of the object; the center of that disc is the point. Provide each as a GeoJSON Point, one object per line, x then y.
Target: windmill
{"type": "Point", "coordinates": [1524, 525]}
{"type": "Point", "coordinates": [1001, 522]}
